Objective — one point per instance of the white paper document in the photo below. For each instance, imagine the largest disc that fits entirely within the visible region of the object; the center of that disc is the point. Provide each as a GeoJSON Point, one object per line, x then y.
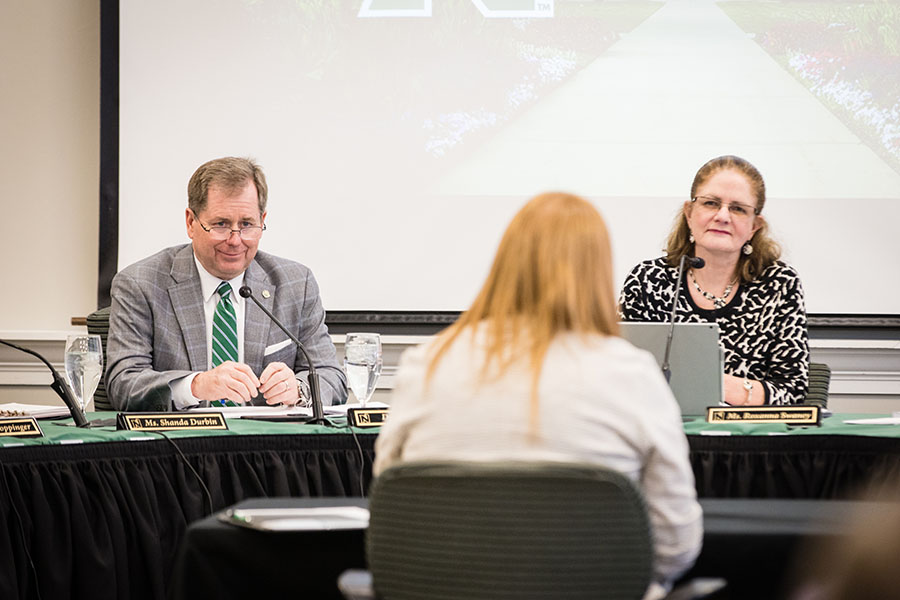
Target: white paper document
{"type": "Point", "coordinates": [874, 421]}
{"type": "Point", "coordinates": [299, 519]}
{"type": "Point", "coordinates": [237, 412]}
{"type": "Point", "coordinates": [41, 411]}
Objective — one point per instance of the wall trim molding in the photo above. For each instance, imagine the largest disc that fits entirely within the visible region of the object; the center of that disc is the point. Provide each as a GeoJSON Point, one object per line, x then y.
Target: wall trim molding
{"type": "Point", "coordinates": [861, 369]}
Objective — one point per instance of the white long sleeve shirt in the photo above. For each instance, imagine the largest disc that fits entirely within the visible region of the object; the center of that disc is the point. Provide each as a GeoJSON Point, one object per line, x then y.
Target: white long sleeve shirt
{"type": "Point", "coordinates": [602, 401]}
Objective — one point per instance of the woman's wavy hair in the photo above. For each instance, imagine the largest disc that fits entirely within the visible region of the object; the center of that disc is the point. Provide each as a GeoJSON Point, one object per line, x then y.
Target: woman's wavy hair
{"type": "Point", "coordinates": [552, 274]}
{"type": "Point", "coordinates": [765, 250]}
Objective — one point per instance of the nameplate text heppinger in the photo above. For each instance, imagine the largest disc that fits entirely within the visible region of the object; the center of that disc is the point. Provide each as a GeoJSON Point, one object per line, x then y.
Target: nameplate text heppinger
{"type": "Point", "coordinates": [20, 427]}
{"type": "Point", "coordinates": [170, 421]}
{"type": "Point", "coordinates": [790, 415]}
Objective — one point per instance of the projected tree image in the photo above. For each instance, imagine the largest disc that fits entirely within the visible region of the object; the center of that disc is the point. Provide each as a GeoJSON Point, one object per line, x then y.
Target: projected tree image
{"type": "Point", "coordinates": [847, 54]}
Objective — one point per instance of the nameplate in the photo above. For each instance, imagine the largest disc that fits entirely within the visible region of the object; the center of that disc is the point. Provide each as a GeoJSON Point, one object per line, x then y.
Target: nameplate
{"type": "Point", "coordinates": [366, 417]}
{"type": "Point", "coordinates": [170, 421]}
{"type": "Point", "coordinates": [790, 415]}
{"type": "Point", "coordinates": [20, 427]}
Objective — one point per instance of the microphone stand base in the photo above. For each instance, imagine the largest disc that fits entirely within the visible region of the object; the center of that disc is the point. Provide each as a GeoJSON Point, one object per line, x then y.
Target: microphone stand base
{"type": "Point", "coordinates": [306, 420]}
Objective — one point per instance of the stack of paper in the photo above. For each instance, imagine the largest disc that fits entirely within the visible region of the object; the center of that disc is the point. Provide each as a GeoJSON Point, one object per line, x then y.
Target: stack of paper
{"type": "Point", "coordinates": [874, 421]}
{"type": "Point", "coordinates": [237, 412]}
{"type": "Point", "coordinates": [299, 519]}
{"type": "Point", "coordinates": [41, 411]}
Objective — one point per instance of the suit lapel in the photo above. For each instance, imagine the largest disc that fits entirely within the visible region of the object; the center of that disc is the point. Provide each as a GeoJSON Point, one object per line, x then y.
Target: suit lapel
{"type": "Point", "coordinates": [256, 323]}
{"type": "Point", "coordinates": [187, 302]}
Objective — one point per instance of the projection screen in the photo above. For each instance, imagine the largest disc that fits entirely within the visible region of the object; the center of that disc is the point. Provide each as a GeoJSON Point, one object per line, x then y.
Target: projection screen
{"type": "Point", "coordinates": [400, 136]}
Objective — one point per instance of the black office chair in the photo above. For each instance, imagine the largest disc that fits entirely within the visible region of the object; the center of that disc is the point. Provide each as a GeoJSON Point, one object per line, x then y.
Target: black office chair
{"type": "Point", "coordinates": [819, 382]}
{"type": "Point", "coordinates": [98, 323]}
{"type": "Point", "coordinates": [502, 531]}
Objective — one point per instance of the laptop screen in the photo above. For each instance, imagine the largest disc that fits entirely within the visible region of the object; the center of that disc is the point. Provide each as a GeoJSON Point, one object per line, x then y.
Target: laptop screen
{"type": "Point", "coordinates": [696, 360]}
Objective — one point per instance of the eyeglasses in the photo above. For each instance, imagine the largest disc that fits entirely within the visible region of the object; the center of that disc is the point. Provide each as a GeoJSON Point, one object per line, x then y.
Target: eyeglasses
{"type": "Point", "coordinates": [737, 210]}
{"type": "Point", "coordinates": [250, 233]}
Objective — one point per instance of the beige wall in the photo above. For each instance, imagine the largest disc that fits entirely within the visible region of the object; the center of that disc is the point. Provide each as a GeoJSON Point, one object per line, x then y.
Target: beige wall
{"type": "Point", "coordinates": [49, 180]}
{"type": "Point", "coordinates": [49, 161]}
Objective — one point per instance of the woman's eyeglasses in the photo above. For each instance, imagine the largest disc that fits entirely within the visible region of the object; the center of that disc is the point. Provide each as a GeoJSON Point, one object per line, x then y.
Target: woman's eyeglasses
{"type": "Point", "coordinates": [737, 210]}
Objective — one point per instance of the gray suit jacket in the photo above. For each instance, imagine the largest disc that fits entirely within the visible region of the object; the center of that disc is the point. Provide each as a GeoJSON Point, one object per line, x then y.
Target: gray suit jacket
{"type": "Point", "coordinates": [157, 329]}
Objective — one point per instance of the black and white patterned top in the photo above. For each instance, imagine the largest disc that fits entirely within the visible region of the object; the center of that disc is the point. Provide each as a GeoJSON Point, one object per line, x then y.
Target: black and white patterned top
{"type": "Point", "coordinates": [762, 330]}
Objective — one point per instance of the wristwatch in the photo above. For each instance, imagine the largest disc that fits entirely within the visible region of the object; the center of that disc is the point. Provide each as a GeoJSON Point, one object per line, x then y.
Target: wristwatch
{"type": "Point", "coordinates": [304, 393]}
{"type": "Point", "coordinates": [749, 387]}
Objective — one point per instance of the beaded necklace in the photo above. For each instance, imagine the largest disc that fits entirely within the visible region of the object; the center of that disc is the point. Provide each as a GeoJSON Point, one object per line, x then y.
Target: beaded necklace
{"type": "Point", "coordinates": [717, 301]}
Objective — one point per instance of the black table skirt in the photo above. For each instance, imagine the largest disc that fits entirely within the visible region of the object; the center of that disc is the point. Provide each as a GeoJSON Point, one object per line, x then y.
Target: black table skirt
{"type": "Point", "coordinates": [807, 466]}
{"type": "Point", "coordinates": [287, 564]}
{"type": "Point", "coordinates": [105, 520]}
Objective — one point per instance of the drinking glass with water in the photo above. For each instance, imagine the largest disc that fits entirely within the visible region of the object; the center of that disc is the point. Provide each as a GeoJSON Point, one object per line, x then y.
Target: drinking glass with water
{"type": "Point", "coordinates": [84, 366]}
{"type": "Point", "coordinates": [362, 363]}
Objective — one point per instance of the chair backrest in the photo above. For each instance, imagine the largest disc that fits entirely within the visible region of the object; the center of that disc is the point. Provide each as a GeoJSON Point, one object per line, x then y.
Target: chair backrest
{"type": "Point", "coordinates": [98, 323]}
{"type": "Point", "coordinates": [819, 381]}
{"type": "Point", "coordinates": [507, 530]}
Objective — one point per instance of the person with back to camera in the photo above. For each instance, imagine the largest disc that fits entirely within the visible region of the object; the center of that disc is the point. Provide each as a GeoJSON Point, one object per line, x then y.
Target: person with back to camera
{"type": "Point", "coordinates": [756, 300]}
{"type": "Point", "coordinates": [539, 346]}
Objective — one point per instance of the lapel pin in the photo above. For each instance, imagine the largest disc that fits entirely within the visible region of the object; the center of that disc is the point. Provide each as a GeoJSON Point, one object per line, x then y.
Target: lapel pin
{"type": "Point", "coordinates": [266, 294]}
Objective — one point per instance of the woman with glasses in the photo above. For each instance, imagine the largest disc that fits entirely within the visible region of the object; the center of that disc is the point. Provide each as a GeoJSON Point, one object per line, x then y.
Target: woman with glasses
{"type": "Point", "coordinates": [756, 300]}
{"type": "Point", "coordinates": [535, 371]}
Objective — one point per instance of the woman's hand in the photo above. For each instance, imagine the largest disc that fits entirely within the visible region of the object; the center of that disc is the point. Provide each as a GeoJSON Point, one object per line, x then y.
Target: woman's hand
{"type": "Point", "coordinates": [737, 395]}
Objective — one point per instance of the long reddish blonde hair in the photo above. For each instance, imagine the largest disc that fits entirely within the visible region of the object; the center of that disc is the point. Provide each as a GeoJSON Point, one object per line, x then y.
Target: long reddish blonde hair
{"type": "Point", "coordinates": [552, 274]}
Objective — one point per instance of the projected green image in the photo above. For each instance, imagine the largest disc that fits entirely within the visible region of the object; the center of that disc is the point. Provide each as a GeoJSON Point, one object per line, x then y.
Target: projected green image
{"type": "Point", "coordinates": [847, 54]}
{"type": "Point", "coordinates": [470, 99]}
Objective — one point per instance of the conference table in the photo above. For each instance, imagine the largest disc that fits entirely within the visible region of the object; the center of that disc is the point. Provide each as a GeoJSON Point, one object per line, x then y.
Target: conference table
{"type": "Point", "coordinates": [752, 544]}
{"type": "Point", "coordinates": [774, 460]}
{"type": "Point", "coordinates": [100, 513]}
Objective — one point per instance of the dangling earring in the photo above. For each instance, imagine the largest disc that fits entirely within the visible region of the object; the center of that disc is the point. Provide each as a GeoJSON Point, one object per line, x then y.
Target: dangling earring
{"type": "Point", "coordinates": [691, 238]}
{"type": "Point", "coordinates": [747, 249]}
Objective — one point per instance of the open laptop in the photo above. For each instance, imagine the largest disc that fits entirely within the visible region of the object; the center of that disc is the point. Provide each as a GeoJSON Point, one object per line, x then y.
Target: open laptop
{"type": "Point", "coordinates": [696, 360]}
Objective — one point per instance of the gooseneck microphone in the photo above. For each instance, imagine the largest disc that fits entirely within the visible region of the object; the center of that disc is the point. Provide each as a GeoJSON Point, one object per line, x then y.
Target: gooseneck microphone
{"type": "Point", "coordinates": [318, 414]}
{"type": "Point", "coordinates": [59, 386]}
{"type": "Point", "coordinates": [696, 263]}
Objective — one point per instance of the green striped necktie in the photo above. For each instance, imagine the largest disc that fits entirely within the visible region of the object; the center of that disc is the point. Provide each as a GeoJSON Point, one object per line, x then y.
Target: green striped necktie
{"type": "Point", "coordinates": [224, 334]}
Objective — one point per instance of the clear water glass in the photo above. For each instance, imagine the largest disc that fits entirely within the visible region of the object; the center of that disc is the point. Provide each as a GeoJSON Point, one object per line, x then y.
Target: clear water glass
{"type": "Point", "coordinates": [362, 363]}
{"type": "Point", "coordinates": [84, 367]}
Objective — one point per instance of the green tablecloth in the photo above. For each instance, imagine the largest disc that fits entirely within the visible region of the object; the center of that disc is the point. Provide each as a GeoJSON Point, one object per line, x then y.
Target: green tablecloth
{"type": "Point", "coordinates": [833, 425]}
{"type": "Point", "coordinates": [729, 460]}
{"type": "Point", "coordinates": [61, 431]}
{"type": "Point", "coordinates": [99, 513]}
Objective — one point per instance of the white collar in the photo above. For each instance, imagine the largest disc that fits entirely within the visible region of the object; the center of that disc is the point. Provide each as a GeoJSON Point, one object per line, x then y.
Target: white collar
{"type": "Point", "coordinates": [209, 283]}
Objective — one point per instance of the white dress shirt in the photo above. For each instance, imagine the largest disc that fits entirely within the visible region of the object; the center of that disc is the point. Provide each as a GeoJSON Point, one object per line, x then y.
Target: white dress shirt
{"type": "Point", "coordinates": [181, 388]}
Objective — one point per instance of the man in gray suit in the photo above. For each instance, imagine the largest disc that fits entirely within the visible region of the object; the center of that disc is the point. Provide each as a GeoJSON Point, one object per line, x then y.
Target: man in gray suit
{"type": "Point", "coordinates": [181, 336]}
